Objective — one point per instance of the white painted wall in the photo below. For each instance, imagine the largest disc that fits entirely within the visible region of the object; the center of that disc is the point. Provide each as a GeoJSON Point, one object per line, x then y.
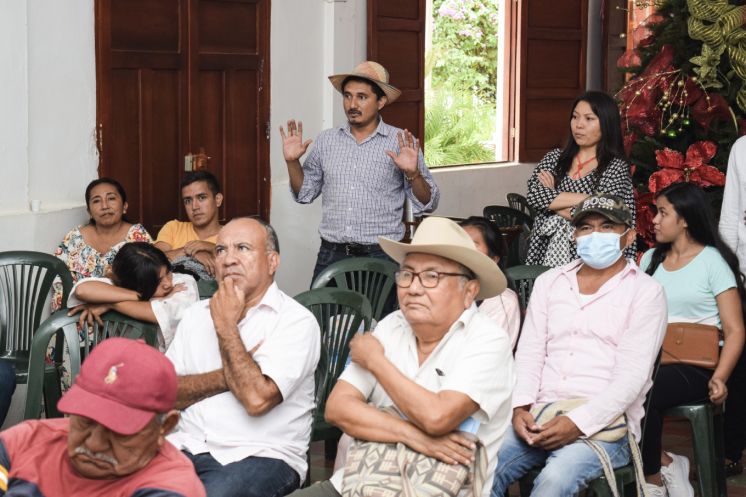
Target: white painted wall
{"type": "Point", "coordinates": [300, 90]}
{"type": "Point", "coordinates": [47, 119]}
{"type": "Point", "coordinates": [465, 191]}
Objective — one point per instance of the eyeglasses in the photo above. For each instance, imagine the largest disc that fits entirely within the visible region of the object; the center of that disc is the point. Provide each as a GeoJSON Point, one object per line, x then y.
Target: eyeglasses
{"type": "Point", "coordinates": [428, 279]}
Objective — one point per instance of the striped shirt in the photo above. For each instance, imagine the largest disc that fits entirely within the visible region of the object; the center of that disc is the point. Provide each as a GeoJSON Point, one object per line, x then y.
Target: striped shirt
{"type": "Point", "coordinates": [363, 190]}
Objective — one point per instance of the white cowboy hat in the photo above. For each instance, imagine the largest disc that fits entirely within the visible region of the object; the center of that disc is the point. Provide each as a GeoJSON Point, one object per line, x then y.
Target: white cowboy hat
{"type": "Point", "coordinates": [442, 237]}
{"type": "Point", "coordinates": [373, 72]}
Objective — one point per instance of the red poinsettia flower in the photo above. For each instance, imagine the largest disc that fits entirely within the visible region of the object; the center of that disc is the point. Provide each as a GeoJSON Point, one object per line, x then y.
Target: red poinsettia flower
{"type": "Point", "coordinates": [645, 212]}
{"type": "Point", "coordinates": [692, 168]}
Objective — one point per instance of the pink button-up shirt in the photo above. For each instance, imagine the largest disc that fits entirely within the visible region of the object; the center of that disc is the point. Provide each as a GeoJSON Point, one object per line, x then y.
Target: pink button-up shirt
{"type": "Point", "coordinates": [603, 350]}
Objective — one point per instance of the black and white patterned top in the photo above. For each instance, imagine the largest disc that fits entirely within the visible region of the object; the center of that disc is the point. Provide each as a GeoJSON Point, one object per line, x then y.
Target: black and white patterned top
{"type": "Point", "coordinates": [615, 181]}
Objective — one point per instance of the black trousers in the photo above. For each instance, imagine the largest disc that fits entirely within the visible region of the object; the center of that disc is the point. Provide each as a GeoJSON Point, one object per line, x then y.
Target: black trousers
{"type": "Point", "coordinates": [679, 384]}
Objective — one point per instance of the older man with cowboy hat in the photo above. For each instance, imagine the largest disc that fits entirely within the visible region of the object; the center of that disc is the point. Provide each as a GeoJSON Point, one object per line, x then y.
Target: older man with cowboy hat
{"type": "Point", "coordinates": [364, 168]}
{"type": "Point", "coordinates": [440, 360]}
{"type": "Point", "coordinates": [113, 443]}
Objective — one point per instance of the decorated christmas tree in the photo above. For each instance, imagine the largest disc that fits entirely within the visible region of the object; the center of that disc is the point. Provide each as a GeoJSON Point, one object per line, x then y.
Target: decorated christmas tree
{"type": "Point", "coordinates": [685, 104]}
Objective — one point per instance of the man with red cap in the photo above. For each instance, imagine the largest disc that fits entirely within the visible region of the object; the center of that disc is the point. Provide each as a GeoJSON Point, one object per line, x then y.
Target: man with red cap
{"type": "Point", "coordinates": [113, 443]}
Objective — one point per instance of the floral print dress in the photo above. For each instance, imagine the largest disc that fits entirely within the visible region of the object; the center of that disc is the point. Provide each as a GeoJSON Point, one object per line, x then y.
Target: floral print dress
{"type": "Point", "coordinates": [84, 261]}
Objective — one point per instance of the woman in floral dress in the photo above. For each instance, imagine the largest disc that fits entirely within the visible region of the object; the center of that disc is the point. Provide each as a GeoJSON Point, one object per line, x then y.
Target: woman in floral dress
{"type": "Point", "coordinates": [89, 250]}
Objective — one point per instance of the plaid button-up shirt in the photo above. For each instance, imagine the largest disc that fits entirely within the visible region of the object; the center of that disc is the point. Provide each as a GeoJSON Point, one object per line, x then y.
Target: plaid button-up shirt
{"type": "Point", "coordinates": [363, 190]}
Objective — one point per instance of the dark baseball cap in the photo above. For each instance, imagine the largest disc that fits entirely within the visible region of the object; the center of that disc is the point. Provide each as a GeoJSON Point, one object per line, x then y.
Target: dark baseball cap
{"type": "Point", "coordinates": [609, 206]}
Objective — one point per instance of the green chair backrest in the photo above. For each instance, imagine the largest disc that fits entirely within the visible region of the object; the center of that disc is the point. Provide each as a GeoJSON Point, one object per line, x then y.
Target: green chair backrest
{"type": "Point", "coordinates": [339, 314]}
{"type": "Point", "coordinates": [207, 289]}
{"type": "Point", "coordinates": [519, 202]}
{"type": "Point", "coordinates": [371, 277]}
{"type": "Point", "coordinates": [507, 217]}
{"type": "Point", "coordinates": [524, 277]}
{"type": "Point", "coordinates": [25, 281]}
{"type": "Point", "coordinates": [46, 378]}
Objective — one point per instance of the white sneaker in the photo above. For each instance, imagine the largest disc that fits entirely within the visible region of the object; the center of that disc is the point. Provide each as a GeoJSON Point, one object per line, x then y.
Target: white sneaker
{"type": "Point", "coordinates": [656, 491]}
{"type": "Point", "coordinates": [675, 477]}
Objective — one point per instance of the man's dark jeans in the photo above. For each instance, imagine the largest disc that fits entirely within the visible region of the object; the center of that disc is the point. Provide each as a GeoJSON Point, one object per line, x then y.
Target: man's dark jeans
{"type": "Point", "coordinates": [250, 477]}
{"type": "Point", "coordinates": [327, 257]}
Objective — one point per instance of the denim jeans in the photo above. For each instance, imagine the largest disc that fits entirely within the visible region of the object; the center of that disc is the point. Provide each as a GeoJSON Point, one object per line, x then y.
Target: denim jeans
{"type": "Point", "coordinates": [327, 257]}
{"type": "Point", "coordinates": [250, 477]}
{"type": "Point", "coordinates": [566, 471]}
{"type": "Point", "coordinates": [7, 387]}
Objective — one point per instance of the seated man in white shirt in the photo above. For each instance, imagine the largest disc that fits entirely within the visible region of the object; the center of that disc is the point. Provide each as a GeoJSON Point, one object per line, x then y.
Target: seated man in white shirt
{"type": "Point", "coordinates": [246, 360]}
{"type": "Point", "coordinates": [440, 360]}
{"type": "Point", "coordinates": [593, 331]}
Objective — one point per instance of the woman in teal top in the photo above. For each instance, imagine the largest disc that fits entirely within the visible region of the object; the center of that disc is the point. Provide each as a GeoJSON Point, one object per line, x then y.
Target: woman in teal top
{"type": "Point", "coordinates": [703, 285]}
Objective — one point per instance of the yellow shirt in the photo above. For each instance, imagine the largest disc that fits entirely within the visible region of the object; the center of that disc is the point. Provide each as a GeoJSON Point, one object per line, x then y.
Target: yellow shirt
{"type": "Point", "coordinates": [177, 234]}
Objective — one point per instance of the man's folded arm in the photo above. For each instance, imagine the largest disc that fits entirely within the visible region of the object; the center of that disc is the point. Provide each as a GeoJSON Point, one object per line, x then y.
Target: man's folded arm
{"type": "Point", "coordinates": [634, 360]}
{"type": "Point", "coordinates": [196, 387]}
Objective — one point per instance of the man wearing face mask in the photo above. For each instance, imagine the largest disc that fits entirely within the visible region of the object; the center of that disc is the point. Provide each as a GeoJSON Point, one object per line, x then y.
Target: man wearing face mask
{"type": "Point", "coordinates": [593, 330]}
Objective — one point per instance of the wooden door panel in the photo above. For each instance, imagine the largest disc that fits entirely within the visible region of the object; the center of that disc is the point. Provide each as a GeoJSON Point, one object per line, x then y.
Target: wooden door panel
{"type": "Point", "coordinates": [123, 137]}
{"type": "Point", "coordinates": [396, 40]}
{"type": "Point", "coordinates": [145, 25]}
{"type": "Point", "coordinates": [552, 60]}
{"type": "Point", "coordinates": [232, 56]}
{"type": "Point", "coordinates": [614, 24]}
{"type": "Point", "coordinates": [175, 76]}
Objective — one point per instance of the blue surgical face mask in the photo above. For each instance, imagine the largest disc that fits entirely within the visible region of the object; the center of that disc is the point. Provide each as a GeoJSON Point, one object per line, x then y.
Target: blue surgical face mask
{"type": "Point", "coordinates": [600, 250]}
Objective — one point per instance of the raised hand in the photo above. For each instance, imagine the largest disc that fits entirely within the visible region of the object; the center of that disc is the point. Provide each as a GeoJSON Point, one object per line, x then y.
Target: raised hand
{"type": "Point", "coordinates": [293, 147]}
{"type": "Point", "coordinates": [408, 151]}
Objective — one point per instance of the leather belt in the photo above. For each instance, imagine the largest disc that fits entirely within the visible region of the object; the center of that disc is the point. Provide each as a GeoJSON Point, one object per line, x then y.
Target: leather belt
{"type": "Point", "coordinates": [354, 249]}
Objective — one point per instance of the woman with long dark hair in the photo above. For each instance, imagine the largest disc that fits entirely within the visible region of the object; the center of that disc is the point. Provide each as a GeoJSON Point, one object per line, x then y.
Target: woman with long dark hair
{"type": "Point", "coordinates": [592, 161]}
{"type": "Point", "coordinates": [703, 285]}
{"type": "Point", "coordinates": [505, 309]}
{"type": "Point", "coordinates": [141, 285]}
{"type": "Point", "coordinates": [89, 250]}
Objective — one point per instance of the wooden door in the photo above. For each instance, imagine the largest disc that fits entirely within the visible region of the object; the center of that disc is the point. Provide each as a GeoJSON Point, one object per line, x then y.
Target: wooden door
{"type": "Point", "coordinates": [552, 72]}
{"type": "Point", "coordinates": [174, 76]}
{"type": "Point", "coordinates": [396, 40]}
{"type": "Point", "coordinates": [614, 24]}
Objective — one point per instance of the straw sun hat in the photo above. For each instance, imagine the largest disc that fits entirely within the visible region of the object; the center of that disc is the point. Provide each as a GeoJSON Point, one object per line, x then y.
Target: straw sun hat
{"type": "Point", "coordinates": [442, 237]}
{"type": "Point", "coordinates": [373, 72]}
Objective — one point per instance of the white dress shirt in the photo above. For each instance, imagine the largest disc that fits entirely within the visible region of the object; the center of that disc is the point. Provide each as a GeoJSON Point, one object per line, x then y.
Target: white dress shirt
{"type": "Point", "coordinates": [168, 312]}
{"type": "Point", "coordinates": [474, 357]}
{"type": "Point", "coordinates": [732, 227]}
{"type": "Point", "coordinates": [219, 424]}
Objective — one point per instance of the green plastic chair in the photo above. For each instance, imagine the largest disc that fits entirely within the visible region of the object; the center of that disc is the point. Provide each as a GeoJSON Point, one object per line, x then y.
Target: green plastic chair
{"type": "Point", "coordinates": [519, 202]}
{"type": "Point", "coordinates": [373, 278]}
{"type": "Point", "coordinates": [507, 217]}
{"type": "Point", "coordinates": [707, 440]}
{"type": "Point", "coordinates": [45, 379]}
{"type": "Point", "coordinates": [207, 289]}
{"type": "Point", "coordinates": [524, 277]}
{"type": "Point", "coordinates": [339, 314]}
{"type": "Point", "coordinates": [25, 281]}
{"type": "Point", "coordinates": [625, 476]}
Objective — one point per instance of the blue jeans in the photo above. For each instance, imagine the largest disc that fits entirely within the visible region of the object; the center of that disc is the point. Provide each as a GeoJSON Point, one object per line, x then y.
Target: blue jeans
{"type": "Point", "coordinates": [327, 257]}
{"type": "Point", "coordinates": [566, 471]}
{"type": "Point", "coordinates": [250, 477]}
{"type": "Point", "coordinates": [7, 387]}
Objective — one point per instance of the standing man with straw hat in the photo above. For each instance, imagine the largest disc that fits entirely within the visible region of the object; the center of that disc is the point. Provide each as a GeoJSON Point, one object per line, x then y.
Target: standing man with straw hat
{"type": "Point", "coordinates": [364, 168]}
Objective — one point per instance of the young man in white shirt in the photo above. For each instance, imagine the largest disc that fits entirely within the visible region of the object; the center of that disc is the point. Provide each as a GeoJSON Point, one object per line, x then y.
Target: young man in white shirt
{"type": "Point", "coordinates": [246, 360]}
{"type": "Point", "coordinates": [439, 360]}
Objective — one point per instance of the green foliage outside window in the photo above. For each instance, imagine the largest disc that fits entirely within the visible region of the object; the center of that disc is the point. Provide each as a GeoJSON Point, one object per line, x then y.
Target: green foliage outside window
{"type": "Point", "coordinates": [462, 66]}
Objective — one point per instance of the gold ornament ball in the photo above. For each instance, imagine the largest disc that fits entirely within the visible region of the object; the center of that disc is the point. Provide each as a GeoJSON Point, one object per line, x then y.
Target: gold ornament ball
{"type": "Point", "coordinates": [623, 35]}
{"type": "Point", "coordinates": [694, 79]}
{"type": "Point", "coordinates": [638, 93]}
{"type": "Point", "coordinates": [681, 83]}
{"type": "Point", "coordinates": [675, 115]}
{"type": "Point", "coordinates": [628, 107]}
{"type": "Point", "coordinates": [650, 87]}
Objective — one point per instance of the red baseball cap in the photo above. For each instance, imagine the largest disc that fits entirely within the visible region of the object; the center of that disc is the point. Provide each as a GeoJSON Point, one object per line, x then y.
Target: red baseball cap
{"type": "Point", "coordinates": [121, 385]}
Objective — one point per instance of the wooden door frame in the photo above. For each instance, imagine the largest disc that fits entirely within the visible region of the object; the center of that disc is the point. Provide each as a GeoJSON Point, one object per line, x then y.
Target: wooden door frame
{"type": "Point", "coordinates": [189, 60]}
